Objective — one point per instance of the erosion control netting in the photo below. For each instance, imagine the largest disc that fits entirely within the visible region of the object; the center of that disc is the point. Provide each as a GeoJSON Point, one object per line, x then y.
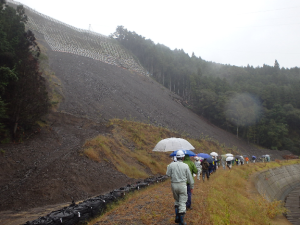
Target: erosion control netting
{"type": "Point", "coordinates": [83, 211]}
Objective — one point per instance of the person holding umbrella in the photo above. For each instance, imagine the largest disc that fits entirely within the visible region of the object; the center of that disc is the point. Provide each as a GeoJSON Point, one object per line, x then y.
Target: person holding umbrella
{"type": "Point", "coordinates": [199, 167]}
{"type": "Point", "coordinates": [229, 160]}
{"type": "Point", "coordinates": [211, 167]}
{"type": "Point", "coordinates": [229, 164]}
{"type": "Point", "coordinates": [180, 175]}
{"type": "Point", "coordinates": [223, 161]}
{"type": "Point", "coordinates": [215, 163]}
{"type": "Point", "coordinates": [247, 159]}
{"type": "Point", "coordinates": [193, 170]}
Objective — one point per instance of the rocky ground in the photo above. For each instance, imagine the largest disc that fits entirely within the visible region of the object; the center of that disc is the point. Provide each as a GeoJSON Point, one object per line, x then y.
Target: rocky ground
{"type": "Point", "coordinates": [49, 169]}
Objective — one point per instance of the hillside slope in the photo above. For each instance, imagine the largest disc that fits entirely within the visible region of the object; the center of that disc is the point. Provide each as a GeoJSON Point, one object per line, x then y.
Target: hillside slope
{"type": "Point", "coordinates": [48, 168]}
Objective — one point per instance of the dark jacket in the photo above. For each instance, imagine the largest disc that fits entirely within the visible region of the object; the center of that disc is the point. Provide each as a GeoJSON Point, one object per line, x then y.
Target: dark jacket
{"type": "Point", "coordinates": [205, 165]}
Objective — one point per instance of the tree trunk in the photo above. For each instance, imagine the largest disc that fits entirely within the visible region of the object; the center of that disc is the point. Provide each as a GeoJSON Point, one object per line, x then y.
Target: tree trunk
{"type": "Point", "coordinates": [16, 126]}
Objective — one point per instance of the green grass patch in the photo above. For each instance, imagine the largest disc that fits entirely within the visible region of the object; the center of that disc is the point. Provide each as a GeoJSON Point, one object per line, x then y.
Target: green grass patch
{"type": "Point", "coordinates": [129, 147]}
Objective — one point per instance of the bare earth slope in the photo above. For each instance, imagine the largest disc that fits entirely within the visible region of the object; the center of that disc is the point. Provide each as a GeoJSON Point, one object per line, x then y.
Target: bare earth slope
{"type": "Point", "coordinates": [100, 91]}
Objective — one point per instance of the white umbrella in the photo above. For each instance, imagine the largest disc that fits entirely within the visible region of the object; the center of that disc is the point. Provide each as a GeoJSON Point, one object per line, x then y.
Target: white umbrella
{"type": "Point", "coordinates": [229, 154]}
{"type": "Point", "coordinates": [230, 158]}
{"type": "Point", "coordinates": [214, 154]}
{"type": "Point", "coordinates": [173, 144]}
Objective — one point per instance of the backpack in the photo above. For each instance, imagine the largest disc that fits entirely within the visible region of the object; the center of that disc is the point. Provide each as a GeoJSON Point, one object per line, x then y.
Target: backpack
{"type": "Point", "coordinates": [205, 165]}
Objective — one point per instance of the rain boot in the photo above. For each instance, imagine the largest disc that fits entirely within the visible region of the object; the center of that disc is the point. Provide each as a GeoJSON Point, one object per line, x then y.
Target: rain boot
{"type": "Point", "coordinates": [181, 219]}
{"type": "Point", "coordinates": [176, 214]}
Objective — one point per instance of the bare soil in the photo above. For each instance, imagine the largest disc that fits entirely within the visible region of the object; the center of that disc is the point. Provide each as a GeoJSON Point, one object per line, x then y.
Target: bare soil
{"type": "Point", "coordinates": [48, 169]}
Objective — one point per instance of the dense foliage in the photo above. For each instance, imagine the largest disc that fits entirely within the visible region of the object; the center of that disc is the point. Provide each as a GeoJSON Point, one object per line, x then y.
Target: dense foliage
{"type": "Point", "coordinates": [23, 98]}
{"type": "Point", "coordinates": [259, 104]}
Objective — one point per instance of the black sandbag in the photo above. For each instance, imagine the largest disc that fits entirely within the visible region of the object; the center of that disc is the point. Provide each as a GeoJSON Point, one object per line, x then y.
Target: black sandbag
{"type": "Point", "coordinates": [94, 203]}
{"type": "Point", "coordinates": [161, 178]}
{"type": "Point", "coordinates": [80, 209]}
{"type": "Point", "coordinates": [108, 198]}
{"type": "Point", "coordinates": [84, 217]}
{"type": "Point", "coordinates": [125, 189]}
{"type": "Point", "coordinates": [97, 206]}
{"type": "Point", "coordinates": [150, 180]}
{"type": "Point", "coordinates": [61, 216]}
{"type": "Point", "coordinates": [41, 221]}
{"type": "Point", "coordinates": [73, 221]}
{"type": "Point", "coordinates": [142, 185]}
{"type": "Point", "coordinates": [118, 193]}
{"type": "Point", "coordinates": [133, 187]}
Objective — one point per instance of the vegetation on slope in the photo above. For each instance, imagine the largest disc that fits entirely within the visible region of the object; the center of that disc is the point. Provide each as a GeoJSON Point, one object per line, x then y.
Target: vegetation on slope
{"type": "Point", "coordinates": [259, 104]}
{"type": "Point", "coordinates": [226, 198]}
{"type": "Point", "coordinates": [129, 147]}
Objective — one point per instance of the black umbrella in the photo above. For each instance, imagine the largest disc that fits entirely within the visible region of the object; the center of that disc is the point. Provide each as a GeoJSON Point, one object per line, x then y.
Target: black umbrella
{"type": "Point", "coordinates": [209, 160]}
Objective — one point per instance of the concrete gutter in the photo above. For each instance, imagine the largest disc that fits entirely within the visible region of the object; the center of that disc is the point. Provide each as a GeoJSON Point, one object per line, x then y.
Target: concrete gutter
{"type": "Point", "coordinates": [277, 183]}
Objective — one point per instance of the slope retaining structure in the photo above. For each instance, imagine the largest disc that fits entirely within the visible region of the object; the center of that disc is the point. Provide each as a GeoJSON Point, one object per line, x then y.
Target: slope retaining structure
{"type": "Point", "coordinates": [283, 184]}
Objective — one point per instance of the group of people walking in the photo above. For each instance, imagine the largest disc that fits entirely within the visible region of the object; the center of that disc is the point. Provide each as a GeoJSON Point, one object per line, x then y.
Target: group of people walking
{"type": "Point", "coordinates": [181, 171]}
{"type": "Point", "coordinates": [205, 168]}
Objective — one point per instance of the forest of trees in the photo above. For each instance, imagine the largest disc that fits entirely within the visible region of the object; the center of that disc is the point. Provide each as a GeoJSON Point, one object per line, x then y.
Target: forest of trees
{"type": "Point", "coordinates": [261, 105]}
{"type": "Point", "coordinates": [23, 97]}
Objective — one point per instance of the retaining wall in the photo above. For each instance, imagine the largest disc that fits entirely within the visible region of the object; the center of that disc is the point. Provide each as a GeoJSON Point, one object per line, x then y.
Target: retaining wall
{"type": "Point", "coordinates": [276, 183]}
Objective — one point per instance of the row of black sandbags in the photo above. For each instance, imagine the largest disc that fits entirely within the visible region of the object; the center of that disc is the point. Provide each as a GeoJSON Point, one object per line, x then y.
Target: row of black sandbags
{"type": "Point", "coordinates": [80, 213]}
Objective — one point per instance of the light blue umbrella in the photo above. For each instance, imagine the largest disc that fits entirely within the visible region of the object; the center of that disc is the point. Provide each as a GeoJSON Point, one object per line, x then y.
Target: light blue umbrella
{"type": "Point", "coordinates": [204, 155]}
{"type": "Point", "coordinates": [186, 152]}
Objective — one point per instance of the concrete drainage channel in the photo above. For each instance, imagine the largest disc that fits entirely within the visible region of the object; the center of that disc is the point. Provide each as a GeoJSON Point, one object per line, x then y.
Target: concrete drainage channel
{"type": "Point", "coordinates": [282, 183]}
{"type": "Point", "coordinates": [88, 209]}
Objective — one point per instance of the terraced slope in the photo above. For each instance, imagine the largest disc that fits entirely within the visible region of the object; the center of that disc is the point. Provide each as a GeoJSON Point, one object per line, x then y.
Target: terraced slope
{"type": "Point", "coordinates": [65, 38]}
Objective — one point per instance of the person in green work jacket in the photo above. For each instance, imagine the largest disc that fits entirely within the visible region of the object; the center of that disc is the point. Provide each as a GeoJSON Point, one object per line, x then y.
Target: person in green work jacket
{"type": "Point", "coordinates": [193, 170]}
{"type": "Point", "coordinates": [180, 174]}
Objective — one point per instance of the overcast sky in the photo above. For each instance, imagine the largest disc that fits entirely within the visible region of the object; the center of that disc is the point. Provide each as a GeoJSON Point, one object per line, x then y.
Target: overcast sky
{"type": "Point", "coordinates": [235, 32]}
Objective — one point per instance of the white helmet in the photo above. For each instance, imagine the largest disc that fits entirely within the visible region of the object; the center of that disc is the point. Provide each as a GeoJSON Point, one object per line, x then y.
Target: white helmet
{"type": "Point", "coordinates": [196, 158]}
{"type": "Point", "coordinates": [180, 154]}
